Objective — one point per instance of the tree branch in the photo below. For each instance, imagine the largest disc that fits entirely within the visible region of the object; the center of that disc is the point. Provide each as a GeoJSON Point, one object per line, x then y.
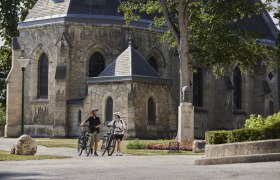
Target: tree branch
{"type": "Point", "coordinates": [169, 21]}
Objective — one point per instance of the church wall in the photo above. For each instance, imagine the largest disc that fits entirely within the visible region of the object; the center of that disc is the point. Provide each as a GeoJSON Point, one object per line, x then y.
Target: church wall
{"type": "Point", "coordinates": [97, 97]}
{"type": "Point", "coordinates": [110, 42]}
{"type": "Point", "coordinates": [39, 113]}
{"type": "Point", "coordinates": [160, 95]}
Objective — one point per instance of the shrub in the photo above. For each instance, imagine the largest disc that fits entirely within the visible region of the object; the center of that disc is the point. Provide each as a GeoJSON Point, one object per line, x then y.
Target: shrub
{"type": "Point", "coordinates": [255, 122]}
{"type": "Point", "coordinates": [2, 115]}
{"type": "Point", "coordinates": [164, 146]}
{"type": "Point", "coordinates": [240, 135]}
{"type": "Point", "coordinates": [186, 147]}
{"type": "Point", "coordinates": [273, 119]}
{"type": "Point", "coordinates": [272, 131]}
{"type": "Point", "coordinates": [136, 144]}
{"type": "Point", "coordinates": [158, 146]}
{"type": "Point", "coordinates": [216, 137]}
{"type": "Point", "coordinates": [269, 131]}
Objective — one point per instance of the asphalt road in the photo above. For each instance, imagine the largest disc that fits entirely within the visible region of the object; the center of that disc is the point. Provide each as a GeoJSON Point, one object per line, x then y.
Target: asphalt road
{"type": "Point", "coordinates": [130, 168]}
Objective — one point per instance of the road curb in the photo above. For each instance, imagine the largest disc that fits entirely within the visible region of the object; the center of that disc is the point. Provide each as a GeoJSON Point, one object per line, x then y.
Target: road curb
{"type": "Point", "coordinates": [239, 159]}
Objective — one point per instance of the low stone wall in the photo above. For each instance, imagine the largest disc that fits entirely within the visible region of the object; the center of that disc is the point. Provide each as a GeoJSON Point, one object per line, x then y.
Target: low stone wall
{"type": "Point", "coordinates": [243, 148]}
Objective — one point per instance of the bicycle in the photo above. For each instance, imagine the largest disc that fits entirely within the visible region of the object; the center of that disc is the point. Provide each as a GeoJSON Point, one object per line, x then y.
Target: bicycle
{"type": "Point", "coordinates": [109, 143]}
{"type": "Point", "coordinates": [84, 141]}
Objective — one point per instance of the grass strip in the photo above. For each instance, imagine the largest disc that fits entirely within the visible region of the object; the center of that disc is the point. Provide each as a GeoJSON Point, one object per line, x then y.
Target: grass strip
{"type": "Point", "coordinates": [6, 156]}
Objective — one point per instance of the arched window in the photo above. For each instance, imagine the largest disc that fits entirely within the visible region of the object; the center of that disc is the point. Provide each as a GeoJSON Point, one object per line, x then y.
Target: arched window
{"type": "Point", "coordinates": [43, 74]}
{"type": "Point", "coordinates": [271, 107]}
{"type": "Point", "coordinates": [109, 109]}
{"type": "Point", "coordinates": [151, 111]}
{"type": "Point", "coordinates": [237, 89]}
{"type": "Point", "coordinates": [79, 117]}
{"type": "Point", "coordinates": [96, 64]}
{"type": "Point", "coordinates": [153, 62]}
{"type": "Point", "coordinates": [198, 88]}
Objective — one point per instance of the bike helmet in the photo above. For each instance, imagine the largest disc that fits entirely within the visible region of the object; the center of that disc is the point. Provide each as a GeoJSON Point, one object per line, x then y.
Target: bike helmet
{"type": "Point", "coordinates": [93, 109]}
{"type": "Point", "coordinates": [117, 113]}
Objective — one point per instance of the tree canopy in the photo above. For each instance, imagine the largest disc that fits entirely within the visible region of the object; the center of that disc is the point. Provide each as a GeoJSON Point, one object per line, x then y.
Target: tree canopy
{"type": "Point", "coordinates": [215, 37]}
{"type": "Point", "coordinates": [11, 12]}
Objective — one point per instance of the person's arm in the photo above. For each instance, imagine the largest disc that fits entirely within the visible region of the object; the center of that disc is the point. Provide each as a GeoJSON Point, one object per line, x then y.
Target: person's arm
{"type": "Point", "coordinates": [123, 125]}
{"type": "Point", "coordinates": [85, 121]}
{"type": "Point", "coordinates": [99, 124]}
{"type": "Point", "coordinates": [111, 123]}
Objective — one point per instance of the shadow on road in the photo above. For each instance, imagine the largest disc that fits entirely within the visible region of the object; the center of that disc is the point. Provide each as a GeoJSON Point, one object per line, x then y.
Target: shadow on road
{"type": "Point", "coordinates": [19, 175]}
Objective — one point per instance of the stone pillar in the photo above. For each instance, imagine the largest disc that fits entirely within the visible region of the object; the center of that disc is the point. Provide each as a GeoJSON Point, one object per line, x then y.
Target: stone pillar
{"type": "Point", "coordinates": [60, 128]}
{"type": "Point", "coordinates": [14, 88]}
{"type": "Point", "coordinates": [185, 122]}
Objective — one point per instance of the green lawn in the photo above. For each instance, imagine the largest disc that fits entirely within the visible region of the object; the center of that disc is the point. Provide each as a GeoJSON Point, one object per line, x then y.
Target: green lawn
{"type": "Point", "coordinates": [6, 156]}
{"type": "Point", "coordinates": [72, 143]}
{"type": "Point", "coordinates": [57, 143]}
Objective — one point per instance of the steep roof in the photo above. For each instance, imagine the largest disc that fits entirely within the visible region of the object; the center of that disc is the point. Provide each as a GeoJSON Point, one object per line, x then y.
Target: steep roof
{"type": "Point", "coordinates": [129, 63]}
{"type": "Point", "coordinates": [106, 12]}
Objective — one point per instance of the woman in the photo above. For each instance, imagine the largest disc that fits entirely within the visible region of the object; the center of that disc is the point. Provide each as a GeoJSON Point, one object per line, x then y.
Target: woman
{"type": "Point", "coordinates": [119, 128]}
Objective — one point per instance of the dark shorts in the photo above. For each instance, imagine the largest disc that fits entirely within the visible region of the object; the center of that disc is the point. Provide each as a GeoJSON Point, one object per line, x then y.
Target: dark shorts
{"type": "Point", "coordinates": [120, 137]}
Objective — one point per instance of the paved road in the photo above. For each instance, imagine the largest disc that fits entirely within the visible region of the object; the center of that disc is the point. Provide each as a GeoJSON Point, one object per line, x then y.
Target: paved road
{"type": "Point", "coordinates": [130, 168]}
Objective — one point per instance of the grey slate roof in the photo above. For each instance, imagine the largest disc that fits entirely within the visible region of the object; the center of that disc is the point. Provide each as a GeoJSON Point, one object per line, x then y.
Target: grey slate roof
{"type": "Point", "coordinates": [129, 63]}
{"type": "Point", "coordinates": [76, 8]}
{"type": "Point", "coordinates": [106, 12]}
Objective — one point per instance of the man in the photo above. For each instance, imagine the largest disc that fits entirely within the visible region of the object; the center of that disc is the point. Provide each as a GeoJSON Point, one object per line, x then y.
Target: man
{"type": "Point", "coordinates": [94, 125]}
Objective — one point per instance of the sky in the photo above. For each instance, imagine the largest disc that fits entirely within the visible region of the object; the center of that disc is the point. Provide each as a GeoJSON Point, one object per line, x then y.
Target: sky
{"type": "Point", "coordinates": [271, 15]}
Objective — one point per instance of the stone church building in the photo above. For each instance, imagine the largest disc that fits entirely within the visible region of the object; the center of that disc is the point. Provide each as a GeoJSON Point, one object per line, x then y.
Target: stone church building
{"type": "Point", "coordinates": [81, 56]}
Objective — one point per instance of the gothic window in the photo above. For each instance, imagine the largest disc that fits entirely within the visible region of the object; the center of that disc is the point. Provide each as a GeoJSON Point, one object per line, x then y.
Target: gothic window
{"type": "Point", "coordinates": [271, 107]}
{"type": "Point", "coordinates": [96, 64]}
{"type": "Point", "coordinates": [109, 109]}
{"type": "Point", "coordinates": [43, 71]}
{"type": "Point", "coordinates": [198, 88]}
{"type": "Point", "coordinates": [153, 62]}
{"type": "Point", "coordinates": [151, 111]}
{"type": "Point", "coordinates": [237, 90]}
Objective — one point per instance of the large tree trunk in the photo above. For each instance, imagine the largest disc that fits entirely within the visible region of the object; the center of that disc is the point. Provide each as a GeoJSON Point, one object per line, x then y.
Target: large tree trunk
{"type": "Point", "coordinates": [183, 49]}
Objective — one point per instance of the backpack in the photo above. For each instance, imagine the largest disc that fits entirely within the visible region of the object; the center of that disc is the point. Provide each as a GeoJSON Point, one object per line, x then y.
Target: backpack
{"type": "Point", "coordinates": [115, 122]}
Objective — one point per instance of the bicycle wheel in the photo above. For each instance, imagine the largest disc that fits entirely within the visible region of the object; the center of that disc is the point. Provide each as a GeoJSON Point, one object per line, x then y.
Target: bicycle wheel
{"type": "Point", "coordinates": [104, 144]}
{"type": "Point", "coordinates": [80, 145]}
{"type": "Point", "coordinates": [112, 146]}
{"type": "Point", "coordinates": [88, 145]}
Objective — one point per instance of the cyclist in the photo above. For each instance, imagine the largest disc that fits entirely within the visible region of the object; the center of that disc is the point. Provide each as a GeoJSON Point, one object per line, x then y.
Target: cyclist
{"type": "Point", "coordinates": [94, 125]}
{"type": "Point", "coordinates": [119, 128]}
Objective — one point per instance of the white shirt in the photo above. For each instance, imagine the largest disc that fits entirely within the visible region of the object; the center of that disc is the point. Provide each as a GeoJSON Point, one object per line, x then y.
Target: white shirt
{"type": "Point", "coordinates": [120, 126]}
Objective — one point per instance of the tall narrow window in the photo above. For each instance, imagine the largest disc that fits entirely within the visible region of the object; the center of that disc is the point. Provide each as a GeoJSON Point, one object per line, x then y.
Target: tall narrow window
{"type": "Point", "coordinates": [153, 62]}
{"type": "Point", "coordinates": [43, 71]}
{"type": "Point", "coordinates": [151, 111]}
{"type": "Point", "coordinates": [96, 64]}
{"type": "Point", "coordinates": [237, 90]}
{"type": "Point", "coordinates": [79, 117]}
{"type": "Point", "coordinates": [109, 109]}
{"type": "Point", "coordinates": [198, 88]}
{"type": "Point", "coordinates": [271, 107]}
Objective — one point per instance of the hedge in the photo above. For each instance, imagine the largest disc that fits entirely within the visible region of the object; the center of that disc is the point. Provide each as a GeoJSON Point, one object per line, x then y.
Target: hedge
{"type": "Point", "coordinates": [241, 135]}
{"type": "Point", "coordinates": [216, 137]}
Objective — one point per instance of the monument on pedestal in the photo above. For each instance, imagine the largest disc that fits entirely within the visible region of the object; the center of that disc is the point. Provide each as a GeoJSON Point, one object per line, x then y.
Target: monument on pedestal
{"type": "Point", "coordinates": [186, 117]}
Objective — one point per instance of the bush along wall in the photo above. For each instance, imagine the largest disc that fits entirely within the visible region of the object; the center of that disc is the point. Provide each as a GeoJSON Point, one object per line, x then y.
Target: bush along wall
{"type": "Point", "coordinates": [256, 128]}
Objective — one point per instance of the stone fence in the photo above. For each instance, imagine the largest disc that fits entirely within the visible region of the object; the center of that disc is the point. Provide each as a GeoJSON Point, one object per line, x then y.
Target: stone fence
{"type": "Point", "coordinates": [243, 148]}
{"type": "Point", "coordinates": [243, 152]}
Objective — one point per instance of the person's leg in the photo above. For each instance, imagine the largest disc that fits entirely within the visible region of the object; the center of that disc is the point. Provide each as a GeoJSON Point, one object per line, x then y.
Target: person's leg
{"type": "Point", "coordinates": [96, 140]}
{"type": "Point", "coordinates": [118, 145]}
{"type": "Point", "coordinates": [120, 141]}
{"type": "Point", "coordinates": [91, 143]}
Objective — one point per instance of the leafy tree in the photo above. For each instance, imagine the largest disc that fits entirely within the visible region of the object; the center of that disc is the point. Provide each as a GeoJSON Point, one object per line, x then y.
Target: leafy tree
{"type": "Point", "coordinates": [206, 33]}
{"type": "Point", "coordinates": [11, 12]}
